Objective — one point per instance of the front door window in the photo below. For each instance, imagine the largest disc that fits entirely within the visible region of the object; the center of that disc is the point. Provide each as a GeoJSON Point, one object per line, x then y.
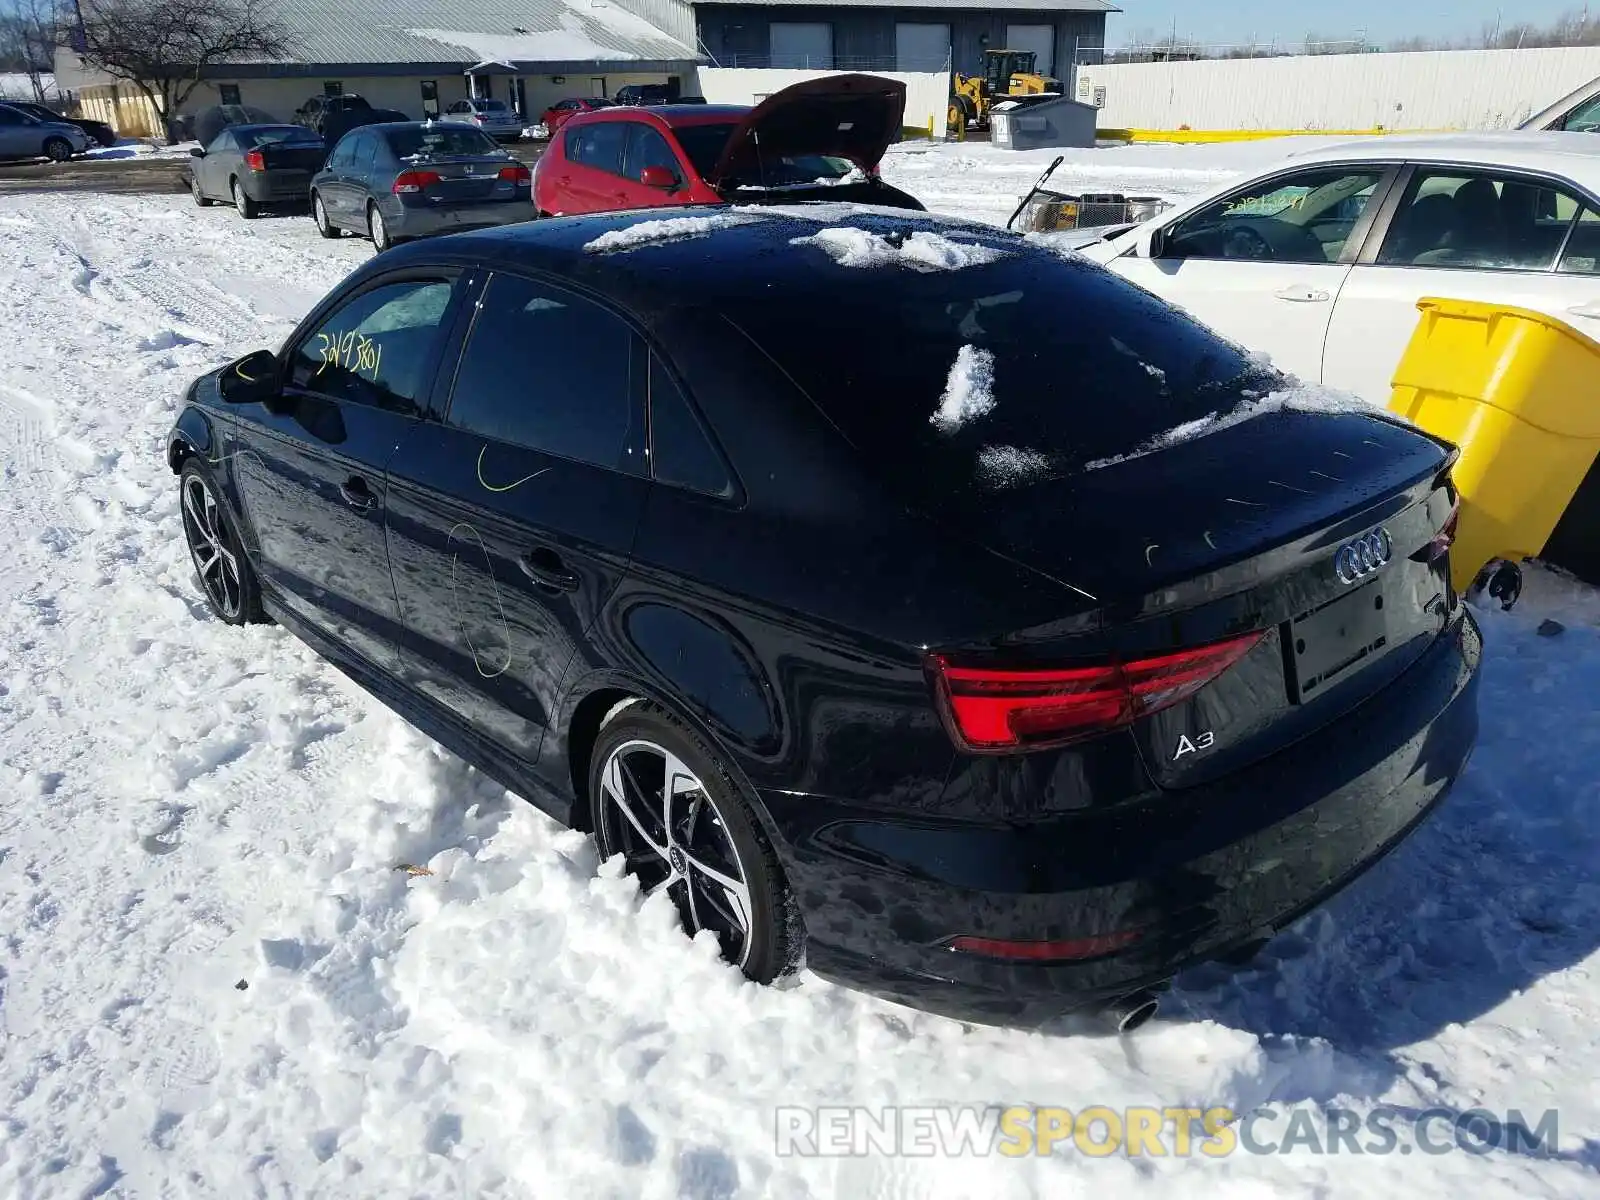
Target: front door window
{"type": "Point", "coordinates": [1305, 218]}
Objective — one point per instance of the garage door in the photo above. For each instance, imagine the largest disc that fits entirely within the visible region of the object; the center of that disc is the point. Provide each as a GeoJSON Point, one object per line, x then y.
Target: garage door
{"type": "Point", "coordinates": [1041, 39]}
{"type": "Point", "coordinates": [802, 44]}
{"type": "Point", "coordinates": [921, 47]}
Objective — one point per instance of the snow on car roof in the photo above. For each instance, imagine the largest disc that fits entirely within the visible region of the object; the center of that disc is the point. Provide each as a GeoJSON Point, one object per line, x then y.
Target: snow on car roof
{"type": "Point", "coordinates": [670, 230]}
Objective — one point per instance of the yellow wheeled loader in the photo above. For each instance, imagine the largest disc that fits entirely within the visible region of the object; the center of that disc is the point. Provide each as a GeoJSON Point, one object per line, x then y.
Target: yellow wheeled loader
{"type": "Point", "coordinates": [1007, 75]}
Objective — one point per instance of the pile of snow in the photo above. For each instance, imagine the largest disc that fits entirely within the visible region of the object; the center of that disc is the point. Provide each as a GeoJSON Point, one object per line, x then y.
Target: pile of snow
{"type": "Point", "coordinates": [920, 250]}
{"type": "Point", "coordinates": [672, 229]}
{"type": "Point", "coordinates": [1297, 399]}
{"type": "Point", "coordinates": [968, 391]}
{"type": "Point", "coordinates": [140, 148]}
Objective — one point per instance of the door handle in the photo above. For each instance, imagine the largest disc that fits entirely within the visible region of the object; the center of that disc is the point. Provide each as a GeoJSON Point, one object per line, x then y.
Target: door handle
{"type": "Point", "coordinates": [1302, 295]}
{"type": "Point", "coordinates": [1586, 310]}
{"type": "Point", "coordinates": [356, 493]}
{"type": "Point", "coordinates": [547, 571]}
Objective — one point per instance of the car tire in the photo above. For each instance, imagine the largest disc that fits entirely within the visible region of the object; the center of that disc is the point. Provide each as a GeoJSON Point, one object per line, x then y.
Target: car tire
{"type": "Point", "coordinates": [716, 839]}
{"type": "Point", "coordinates": [378, 229]}
{"type": "Point", "coordinates": [226, 578]}
{"type": "Point", "coordinates": [200, 198]}
{"type": "Point", "coordinates": [57, 149]}
{"type": "Point", "coordinates": [319, 214]}
{"type": "Point", "coordinates": [248, 209]}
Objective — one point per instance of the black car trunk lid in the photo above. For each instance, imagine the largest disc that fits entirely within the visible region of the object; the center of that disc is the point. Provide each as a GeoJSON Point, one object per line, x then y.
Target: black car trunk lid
{"type": "Point", "coordinates": [304, 158]}
{"type": "Point", "coordinates": [462, 179]}
{"type": "Point", "coordinates": [1241, 531]}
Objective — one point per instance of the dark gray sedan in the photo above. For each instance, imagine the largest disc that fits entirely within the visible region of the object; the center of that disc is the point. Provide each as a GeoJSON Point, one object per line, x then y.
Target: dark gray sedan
{"type": "Point", "coordinates": [249, 166]}
{"type": "Point", "coordinates": [395, 182]}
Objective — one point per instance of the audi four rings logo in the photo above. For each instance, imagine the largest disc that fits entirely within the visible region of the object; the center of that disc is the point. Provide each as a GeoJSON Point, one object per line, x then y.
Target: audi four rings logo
{"type": "Point", "coordinates": [1360, 558]}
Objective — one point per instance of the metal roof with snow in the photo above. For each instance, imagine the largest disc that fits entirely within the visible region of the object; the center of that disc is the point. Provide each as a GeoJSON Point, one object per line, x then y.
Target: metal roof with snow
{"type": "Point", "coordinates": [473, 32]}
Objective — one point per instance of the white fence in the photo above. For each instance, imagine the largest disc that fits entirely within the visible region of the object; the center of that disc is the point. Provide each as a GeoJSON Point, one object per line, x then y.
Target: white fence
{"type": "Point", "coordinates": [1444, 89]}
{"type": "Point", "coordinates": [927, 92]}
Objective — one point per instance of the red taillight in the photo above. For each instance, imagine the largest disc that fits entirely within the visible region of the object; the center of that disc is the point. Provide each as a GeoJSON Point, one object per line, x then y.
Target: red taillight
{"type": "Point", "coordinates": [1446, 537]}
{"type": "Point", "coordinates": [255, 160]}
{"type": "Point", "coordinates": [519, 175]}
{"type": "Point", "coordinates": [413, 181]}
{"type": "Point", "coordinates": [989, 710]}
{"type": "Point", "coordinates": [1070, 948]}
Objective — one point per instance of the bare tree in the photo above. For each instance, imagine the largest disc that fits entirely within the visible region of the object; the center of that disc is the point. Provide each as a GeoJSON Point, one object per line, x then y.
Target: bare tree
{"type": "Point", "coordinates": [28, 36]}
{"type": "Point", "coordinates": [165, 47]}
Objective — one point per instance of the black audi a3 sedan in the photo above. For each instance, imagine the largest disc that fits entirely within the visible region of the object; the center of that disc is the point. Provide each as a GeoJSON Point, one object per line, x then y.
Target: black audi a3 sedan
{"type": "Point", "coordinates": [873, 612]}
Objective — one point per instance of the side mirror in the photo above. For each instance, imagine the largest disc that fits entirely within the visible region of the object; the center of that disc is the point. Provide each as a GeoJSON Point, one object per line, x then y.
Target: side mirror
{"type": "Point", "coordinates": [251, 380]}
{"type": "Point", "coordinates": [1155, 243]}
{"type": "Point", "coordinates": [664, 178]}
{"type": "Point", "coordinates": [197, 153]}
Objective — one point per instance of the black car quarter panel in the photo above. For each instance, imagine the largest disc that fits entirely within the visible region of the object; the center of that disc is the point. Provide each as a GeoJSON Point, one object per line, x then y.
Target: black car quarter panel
{"type": "Point", "coordinates": [510, 524]}
{"type": "Point", "coordinates": [309, 469]}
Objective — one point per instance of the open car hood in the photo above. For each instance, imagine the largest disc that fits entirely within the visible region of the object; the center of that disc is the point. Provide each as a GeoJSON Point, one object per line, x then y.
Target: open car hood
{"type": "Point", "coordinates": [845, 116]}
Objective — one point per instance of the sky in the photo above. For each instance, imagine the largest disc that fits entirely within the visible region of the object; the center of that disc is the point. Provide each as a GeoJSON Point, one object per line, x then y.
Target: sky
{"type": "Point", "coordinates": [1290, 20]}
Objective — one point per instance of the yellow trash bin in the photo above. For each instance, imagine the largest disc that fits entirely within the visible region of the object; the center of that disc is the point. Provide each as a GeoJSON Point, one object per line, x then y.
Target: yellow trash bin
{"type": "Point", "coordinates": [1519, 392]}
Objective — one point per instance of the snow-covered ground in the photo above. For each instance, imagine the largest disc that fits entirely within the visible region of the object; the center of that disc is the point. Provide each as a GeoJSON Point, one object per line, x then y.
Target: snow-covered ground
{"type": "Point", "coordinates": [215, 981]}
{"type": "Point", "coordinates": [141, 148]}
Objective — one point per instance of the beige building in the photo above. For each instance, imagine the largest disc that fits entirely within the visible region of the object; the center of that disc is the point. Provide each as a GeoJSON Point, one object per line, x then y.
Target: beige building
{"type": "Point", "coordinates": [420, 56]}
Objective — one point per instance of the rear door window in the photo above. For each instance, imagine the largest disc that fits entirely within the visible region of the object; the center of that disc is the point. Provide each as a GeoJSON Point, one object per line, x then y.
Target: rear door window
{"type": "Point", "coordinates": [1581, 255]}
{"type": "Point", "coordinates": [362, 153]}
{"type": "Point", "coordinates": [548, 370]}
{"type": "Point", "coordinates": [1479, 221]}
{"type": "Point", "coordinates": [681, 451]}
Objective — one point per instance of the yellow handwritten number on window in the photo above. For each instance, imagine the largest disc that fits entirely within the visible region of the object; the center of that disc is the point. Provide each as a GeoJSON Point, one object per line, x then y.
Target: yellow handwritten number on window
{"type": "Point", "coordinates": [353, 352]}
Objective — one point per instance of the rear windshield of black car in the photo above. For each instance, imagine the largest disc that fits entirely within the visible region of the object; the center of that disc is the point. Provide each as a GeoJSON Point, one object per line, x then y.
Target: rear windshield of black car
{"type": "Point", "coordinates": [1084, 366]}
{"type": "Point", "coordinates": [703, 144]}
{"type": "Point", "coordinates": [441, 139]}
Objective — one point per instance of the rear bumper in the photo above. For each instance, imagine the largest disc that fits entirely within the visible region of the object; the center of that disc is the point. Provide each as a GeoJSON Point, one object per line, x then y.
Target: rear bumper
{"type": "Point", "coordinates": [1196, 872]}
{"type": "Point", "coordinates": [426, 222]}
{"type": "Point", "coordinates": [272, 187]}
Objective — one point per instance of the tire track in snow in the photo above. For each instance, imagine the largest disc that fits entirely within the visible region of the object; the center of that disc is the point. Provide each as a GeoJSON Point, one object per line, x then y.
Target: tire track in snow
{"type": "Point", "coordinates": [24, 422]}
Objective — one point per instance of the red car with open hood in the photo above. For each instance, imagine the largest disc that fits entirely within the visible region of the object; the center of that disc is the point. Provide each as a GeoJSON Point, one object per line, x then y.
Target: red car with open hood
{"type": "Point", "coordinates": [818, 140]}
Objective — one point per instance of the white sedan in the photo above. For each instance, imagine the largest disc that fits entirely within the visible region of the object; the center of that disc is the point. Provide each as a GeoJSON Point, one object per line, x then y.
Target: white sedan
{"type": "Point", "coordinates": [1320, 261]}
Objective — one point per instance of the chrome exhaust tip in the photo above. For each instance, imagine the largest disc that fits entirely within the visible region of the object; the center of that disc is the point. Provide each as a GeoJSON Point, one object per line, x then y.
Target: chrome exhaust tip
{"type": "Point", "coordinates": [1133, 1010]}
